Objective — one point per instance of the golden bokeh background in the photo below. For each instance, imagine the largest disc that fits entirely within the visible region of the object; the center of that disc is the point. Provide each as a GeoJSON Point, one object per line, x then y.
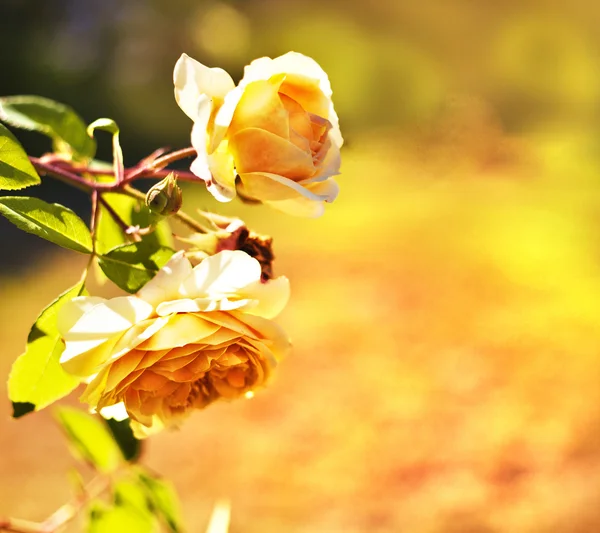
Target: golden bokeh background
{"type": "Point", "coordinates": [445, 310]}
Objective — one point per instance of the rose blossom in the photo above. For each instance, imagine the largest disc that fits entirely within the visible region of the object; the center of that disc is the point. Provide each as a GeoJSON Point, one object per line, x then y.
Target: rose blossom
{"type": "Point", "coordinates": [277, 130]}
{"type": "Point", "coordinates": [189, 337]}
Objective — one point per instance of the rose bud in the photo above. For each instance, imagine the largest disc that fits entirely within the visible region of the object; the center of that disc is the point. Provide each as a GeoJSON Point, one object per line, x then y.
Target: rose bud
{"type": "Point", "coordinates": [165, 198]}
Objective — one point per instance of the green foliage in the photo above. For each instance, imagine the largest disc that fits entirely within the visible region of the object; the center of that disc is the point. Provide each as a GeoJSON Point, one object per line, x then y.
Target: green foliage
{"type": "Point", "coordinates": [91, 440]}
{"type": "Point", "coordinates": [52, 222]}
{"type": "Point", "coordinates": [164, 499]}
{"type": "Point", "coordinates": [131, 448]}
{"type": "Point", "coordinates": [58, 121]}
{"type": "Point", "coordinates": [37, 379]}
{"type": "Point", "coordinates": [139, 503]}
{"type": "Point", "coordinates": [109, 234]}
{"type": "Point", "coordinates": [16, 172]}
{"type": "Point", "coordinates": [131, 266]}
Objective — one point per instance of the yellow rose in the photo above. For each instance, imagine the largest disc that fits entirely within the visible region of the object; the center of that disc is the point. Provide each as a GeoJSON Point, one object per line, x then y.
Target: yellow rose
{"type": "Point", "coordinates": [189, 337]}
{"type": "Point", "coordinates": [277, 130]}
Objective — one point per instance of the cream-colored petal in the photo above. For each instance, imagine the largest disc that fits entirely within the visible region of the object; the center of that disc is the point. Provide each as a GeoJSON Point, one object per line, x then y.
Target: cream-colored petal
{"type": "Point", "coordinates": [70, 313]}
{"type": "Point", "coordinates": [165, 285]}
{"type": "Point", "coordinates": [256, 150]}
{"type": "Point", "coordinates": [109, 317]}
{"type": "Point", "coordinates": [270, 297]}
{"type": "Point", "coordinates": [304, 205]}
{"type": "Point", "coordinates": [202, 305]}
{"type": "Point", "coordinates": [272, 187]}
{"type": "Point", "coordinates": [181, 330]}
{"type": "Point", "coordinates": [224, 117]}
{"type": "Point", "coordinates": [116, 412]}
{"type": "Point", "coordinates": [261, 107]}
{"type": "Point", "coordinates": [85, 358]}
{"type": "Point", "coordinates": [221, 275]}
{"type": "Point", "coordinates": [192, 80]}
{"type": "Point", "coordinates": [290, 63]}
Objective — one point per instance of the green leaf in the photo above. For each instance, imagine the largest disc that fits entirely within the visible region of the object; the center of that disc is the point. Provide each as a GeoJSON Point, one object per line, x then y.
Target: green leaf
{"type": "Point", "coordinates": [91, 440]}
{"type": "Point", "coordinates": [124, 517]}
{"type": "Point", "coordinates": [165, 501]}
{"type": "Point", "coordinates": [131, 266]}
{"type": "Point", "coordinates": [52, 222]}
{"type": "Point", "coordinates": [109, 234]}
{"type": "Point", "coordinates": [110, 125]}
{"type": "Point", "coordinates": [58, 121]}
{"type": "Point", "coordinates": [16, 171]}
{"type": "Point", "coordinates": [131, 448]}
{"type": "Point", "coordinates": [36, 378]}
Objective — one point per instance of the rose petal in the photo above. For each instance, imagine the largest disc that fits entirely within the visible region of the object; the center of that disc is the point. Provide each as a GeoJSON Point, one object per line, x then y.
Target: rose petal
{"type": "Point", "coordinates": [204, 305]}
{"type": "Point", "coordinates": [305, 205]}
{"type": "Point", "coordinates": [192, 80]}
{"type": "Point", "coordinates": [216, 169]}
{"type": "Point", "coordinates": [108, 318]}
{"type": "Point", "coordinates": [85, 358]}
{"type": "Point", "coordinates": [261, 107]}
{"type": "Point", "coordinates": [273, 188]}
{"type": "Point", "coordinates": [116, 412]}
{"type": "Point", "coordinates": [221, 275]}
{"type": "Point", "coordinates": [256, 150]}
{"type": "Point", "coordinates": [270, 297]}
{"type": "Point", "coordinates": [122, 368]}
{"type": "Point", "coordinates": [181, 330]}
{"type": "Point", "coordinates": [164, 286]}
{"type": "Point", "coordinates": [70, 313]}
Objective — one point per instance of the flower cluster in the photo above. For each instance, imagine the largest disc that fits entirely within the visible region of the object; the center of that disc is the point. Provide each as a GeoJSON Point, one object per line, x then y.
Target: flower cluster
{"type": "Point", "coordinates": [196, 334]}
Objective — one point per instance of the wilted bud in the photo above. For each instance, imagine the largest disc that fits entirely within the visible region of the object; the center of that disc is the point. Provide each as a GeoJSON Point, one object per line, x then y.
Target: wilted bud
{"type": "Point", "coordinates": [232, 234]}
{"type": "Point", "coordinates": [165, 198]}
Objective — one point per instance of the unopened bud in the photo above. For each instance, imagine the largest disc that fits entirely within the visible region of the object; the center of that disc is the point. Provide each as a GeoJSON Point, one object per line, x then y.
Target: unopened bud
{"type": "Point", "coordinates": [165, 198]}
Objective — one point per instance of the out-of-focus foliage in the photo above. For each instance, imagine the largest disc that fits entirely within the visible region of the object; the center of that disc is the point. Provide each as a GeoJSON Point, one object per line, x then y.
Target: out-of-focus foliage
{"type": "Point", "coordinates": [90, 438]}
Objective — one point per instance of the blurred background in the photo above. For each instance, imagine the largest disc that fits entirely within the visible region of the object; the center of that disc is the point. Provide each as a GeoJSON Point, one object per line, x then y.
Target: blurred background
{"type": "Point", "coordinates": [445, 310]}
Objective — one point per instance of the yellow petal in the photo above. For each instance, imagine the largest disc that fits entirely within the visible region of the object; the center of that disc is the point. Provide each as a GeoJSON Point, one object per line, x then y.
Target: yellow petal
{"type": "Point", "coordinates": [256, 150]}
{"type": "Point", "coordinates": [260, 107]}
{"type": "Point", "coordinates": [272, 334]}
{"type": "Point", "coordinates": [181, 330]}
{"type": "Point", "coordinates": [218, 172]}
{"type": "Point", "coordinates": [123, 367]}
{"type": "Point", "coordinates": [307, 92]}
